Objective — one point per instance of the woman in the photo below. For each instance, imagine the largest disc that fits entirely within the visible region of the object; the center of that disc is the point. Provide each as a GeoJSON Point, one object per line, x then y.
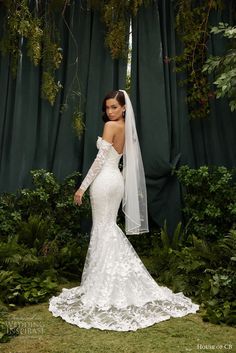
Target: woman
{"type": "Point", "coordinates": [116, 290]}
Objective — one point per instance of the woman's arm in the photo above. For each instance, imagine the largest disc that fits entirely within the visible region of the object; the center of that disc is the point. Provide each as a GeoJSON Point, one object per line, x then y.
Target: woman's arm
{"type": "Point", "coordinates": [106, 143]}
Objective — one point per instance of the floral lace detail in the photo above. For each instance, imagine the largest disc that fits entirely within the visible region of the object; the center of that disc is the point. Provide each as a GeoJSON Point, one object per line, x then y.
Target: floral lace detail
{"type": "Point", "coordinates": [104, 148]}
{"type": "Point", "coordinates": [116, 290]}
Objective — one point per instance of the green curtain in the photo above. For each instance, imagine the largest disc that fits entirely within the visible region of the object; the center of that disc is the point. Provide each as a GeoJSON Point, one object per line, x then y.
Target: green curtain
{"type": "Point", "coordinates": [168, 138]}
{"type": "Point", "coordinates": [35, 135]}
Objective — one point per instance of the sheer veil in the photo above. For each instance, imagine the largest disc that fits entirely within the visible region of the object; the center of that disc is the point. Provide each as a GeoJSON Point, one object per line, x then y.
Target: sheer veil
{"type": "Point", "coordinates": [134, 203]}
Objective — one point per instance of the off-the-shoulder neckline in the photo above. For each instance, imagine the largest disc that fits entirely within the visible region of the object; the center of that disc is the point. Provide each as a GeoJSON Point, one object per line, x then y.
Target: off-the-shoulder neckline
{"type": "Point", "coordinates": [120, 154]}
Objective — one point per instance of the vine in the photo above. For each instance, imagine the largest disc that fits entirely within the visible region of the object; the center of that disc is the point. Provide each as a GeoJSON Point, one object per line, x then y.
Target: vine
{"type": "Point", "coordinates": [116, 16]}
{"type": "Point", "coordinates": [224, 66]}
{"type": "Point", "coordinates": [192, 25]}
{"type": "Point", "coordinates": [37, 28]}
{"type": "Point", "coordinates": [30, 27]}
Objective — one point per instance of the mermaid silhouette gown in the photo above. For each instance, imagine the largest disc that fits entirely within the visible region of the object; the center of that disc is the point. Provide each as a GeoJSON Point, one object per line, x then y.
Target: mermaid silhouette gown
{"type": "Point", "coordinates": [116, 290]}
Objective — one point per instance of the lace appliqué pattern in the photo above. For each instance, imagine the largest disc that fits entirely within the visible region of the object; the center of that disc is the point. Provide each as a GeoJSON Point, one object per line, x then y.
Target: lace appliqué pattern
{"type": "Point", "coordinates": [97, 165]}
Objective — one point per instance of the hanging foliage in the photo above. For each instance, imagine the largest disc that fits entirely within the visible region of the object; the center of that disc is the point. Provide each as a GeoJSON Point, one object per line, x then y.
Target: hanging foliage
{"type": "Point", "coordinates": [224, 66]}
{"type": "Point", "coordinates": [192, 25]}
{"type": "Point", "coordinates": [116, 15]}
{"type": "Point", "coordinates": [33, 26]}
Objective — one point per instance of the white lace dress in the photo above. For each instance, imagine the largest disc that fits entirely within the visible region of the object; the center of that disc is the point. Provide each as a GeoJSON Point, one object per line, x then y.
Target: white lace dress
{"type": "Point", "coordinates": [116, 291]}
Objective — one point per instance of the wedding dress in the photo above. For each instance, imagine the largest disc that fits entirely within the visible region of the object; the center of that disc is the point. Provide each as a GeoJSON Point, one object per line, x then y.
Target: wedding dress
{"type": "Point", "coordinates": [116, 291]}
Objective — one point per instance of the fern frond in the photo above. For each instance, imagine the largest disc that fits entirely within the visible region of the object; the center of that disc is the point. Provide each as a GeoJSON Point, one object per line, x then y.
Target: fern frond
{"type": "Point", "coordinates": [177, 236]}
{"type": "Point", "coordinates": [165, 237]}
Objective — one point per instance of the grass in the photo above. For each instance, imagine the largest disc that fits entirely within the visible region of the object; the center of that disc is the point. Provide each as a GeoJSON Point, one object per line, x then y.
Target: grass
{"type": "Point", "coordinates": [43, 333]}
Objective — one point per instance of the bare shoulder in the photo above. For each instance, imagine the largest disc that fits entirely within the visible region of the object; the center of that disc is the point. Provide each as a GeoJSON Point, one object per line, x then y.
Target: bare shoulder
{"type": "Point", "coordinates": [111, 125]}
{"type": "Point", "coordinates": [109, 131]}
{"type": "Point", "coordinates": [115, 125]}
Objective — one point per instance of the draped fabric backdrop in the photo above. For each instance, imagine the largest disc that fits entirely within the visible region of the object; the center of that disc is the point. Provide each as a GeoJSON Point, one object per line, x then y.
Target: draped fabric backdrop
{"type": "Point", "coordinates": [168, 137]}
{"type": "Point", "coordinates": [35, 135]}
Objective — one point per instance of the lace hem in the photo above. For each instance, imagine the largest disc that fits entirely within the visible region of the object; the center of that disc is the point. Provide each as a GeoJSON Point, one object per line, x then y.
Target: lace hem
{"type": "Point", "coordinates": [70, 307]}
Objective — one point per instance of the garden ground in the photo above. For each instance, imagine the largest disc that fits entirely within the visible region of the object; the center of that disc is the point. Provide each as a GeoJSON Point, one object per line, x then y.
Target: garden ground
{"type": "Point", "coordinates": [43, 333]}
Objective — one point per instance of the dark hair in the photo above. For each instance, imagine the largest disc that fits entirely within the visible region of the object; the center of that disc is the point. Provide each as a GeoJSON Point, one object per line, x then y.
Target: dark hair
{"type": "Point", "coordinates": [118, 95]}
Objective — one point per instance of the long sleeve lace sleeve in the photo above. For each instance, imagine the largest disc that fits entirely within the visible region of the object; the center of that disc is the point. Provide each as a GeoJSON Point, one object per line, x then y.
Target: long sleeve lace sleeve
{"type": "Point", "coordinates": [97, 165]}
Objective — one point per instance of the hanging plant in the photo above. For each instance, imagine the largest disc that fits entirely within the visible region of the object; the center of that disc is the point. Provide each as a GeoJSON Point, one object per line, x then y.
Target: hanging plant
{"type": "Point", "coordinates": [20, 25]}
{"type": "Point", "coordinates": [192, 25]}
{"type": "Point", "coordinates": [116, 15]}
{"type": "Point", "coordinates": [31, 25]}
{"type": "Point", "coordinates": [34, 25]}
{"type": "Point", "coordinates": [51, 61]}
{"type": "Point", "coordinates": [78, 122]}
{"type": "Point", "coordinates": [224, 66]}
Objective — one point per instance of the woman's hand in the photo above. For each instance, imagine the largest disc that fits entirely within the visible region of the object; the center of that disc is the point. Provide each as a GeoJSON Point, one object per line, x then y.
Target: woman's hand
{"type": "Point", "coordinates": [78, 197]}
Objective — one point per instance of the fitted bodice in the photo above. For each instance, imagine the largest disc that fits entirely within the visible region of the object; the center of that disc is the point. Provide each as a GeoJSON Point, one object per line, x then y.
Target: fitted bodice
{"type": "Point", "coordinates": [113, 158]}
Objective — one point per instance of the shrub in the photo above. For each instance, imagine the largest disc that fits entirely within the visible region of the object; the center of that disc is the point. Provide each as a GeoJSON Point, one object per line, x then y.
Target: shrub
{"type": "Point", "coordinates": [218, 296]}
{"type": "Point", "coordinates": [204, 271]}
{"type": "Point", "coordinates": [18, 290]}
{"type": "Point", "coordinates": [41, 239]}
{"type": "Point", "coordinates": [209, 201]}
{"type": "Point", "coordinates": [200, 258]}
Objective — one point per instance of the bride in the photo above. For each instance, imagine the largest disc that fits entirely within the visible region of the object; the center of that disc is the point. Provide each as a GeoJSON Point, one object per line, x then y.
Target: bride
{"type": "Point", "coordinates": [116, 290]}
